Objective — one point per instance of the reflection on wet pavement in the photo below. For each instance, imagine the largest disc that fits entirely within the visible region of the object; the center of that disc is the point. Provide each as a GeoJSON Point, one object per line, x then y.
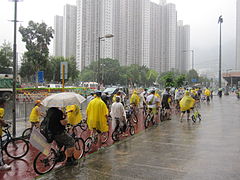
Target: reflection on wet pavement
{"type": "Point", "coordinates": [172, 150]}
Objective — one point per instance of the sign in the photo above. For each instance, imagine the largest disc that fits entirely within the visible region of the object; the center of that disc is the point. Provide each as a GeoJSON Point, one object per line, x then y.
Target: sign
{"type": "Point", "coordinates": [194, 80]}
{"type": "Point", "coordinates": [41, 76]}
{"type": "Point", "coordinates": [65, 64]}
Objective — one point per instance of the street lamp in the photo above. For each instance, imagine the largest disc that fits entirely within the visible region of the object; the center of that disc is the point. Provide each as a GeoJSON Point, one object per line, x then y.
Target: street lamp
{"type": "Point", "coordinates": [220, 21]}
{"type": "Point", "coordinates": [14, 65]}
{"type": "Point", "coordinates": [99, 51]}
{"type": "Point", "coordinates": [192, 51]}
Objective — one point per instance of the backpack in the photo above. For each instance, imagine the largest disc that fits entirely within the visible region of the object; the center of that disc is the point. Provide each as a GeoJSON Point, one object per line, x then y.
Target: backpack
{"type": "Point", "coordinates": [44, 129]}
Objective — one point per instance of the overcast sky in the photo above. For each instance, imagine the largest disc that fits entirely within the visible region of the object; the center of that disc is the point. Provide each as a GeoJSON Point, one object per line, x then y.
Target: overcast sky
{"type": "Point", "coordinates": [201, 15]}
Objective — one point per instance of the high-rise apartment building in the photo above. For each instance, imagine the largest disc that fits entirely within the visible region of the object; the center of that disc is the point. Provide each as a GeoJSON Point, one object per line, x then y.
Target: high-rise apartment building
{"type": "Point", "coordinates": [183, 51]}
{"type": "Point", "coordinates": [94, 20]}
{"type": "Point", "coordinates": [169, 37]}
{"type": "Point", "coordinates": [238, 36]}
{"type": "Point", "coordinates": [155, 37]}
{"type": "Point", "coordinates": [69, 30]}
{"type": "Point", "coordinates": [58, 36]}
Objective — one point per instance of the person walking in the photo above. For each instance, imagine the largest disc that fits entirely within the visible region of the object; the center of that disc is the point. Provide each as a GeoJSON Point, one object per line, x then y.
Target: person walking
{"type": "Point", "coordinates": [186, 104]}
{"type": "Point", "coordinates": [3, 165]}
{"type": "Point", "coordinates": [97, 115]}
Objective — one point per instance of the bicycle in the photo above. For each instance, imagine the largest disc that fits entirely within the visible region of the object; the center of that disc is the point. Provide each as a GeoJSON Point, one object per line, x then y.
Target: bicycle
{"type": "Point", "coordinates": [149, 118]}
{"type": "Point", "coordinates": [163, 114]}
{"type": "Point", "coordinates": [94, 140]}
{"type": "Point", "coordinates": [133, 112]}
{"type": "Point", "coordinates": [43, 164]}
{"type": "Point", "coordinates": [15, 148]}
{"type": "Point", "coordinates": [119, 130]}
{"type": "Point", "coordinates": [196, 115]}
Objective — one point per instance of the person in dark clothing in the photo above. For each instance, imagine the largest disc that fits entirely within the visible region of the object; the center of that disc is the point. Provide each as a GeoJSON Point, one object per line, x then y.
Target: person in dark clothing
{"type": "Point", "coordinates": [165, 102]}
{"type": "Point", "coordinates": [57, 123]}
{"type": "Point", "coordinates": [105, 97]}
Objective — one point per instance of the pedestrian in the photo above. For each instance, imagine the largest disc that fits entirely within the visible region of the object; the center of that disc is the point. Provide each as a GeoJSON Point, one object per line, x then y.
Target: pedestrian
{"type": "Point", "coordinates": [166, 99]}
{"type": "Point", "coordinates": [186, 104]}
{"type": "Point", "coordinates": [74, 115]}
{"type": "Point", "coordinates": [35, 114]}
{"type": "Point", "coordinates": [3, 165]}
{"type": "Point", "coordinates": [207, 93]}
{"type": "Point", "coordinates": [57, 124]}
{"type": "Point", "coordinates": [97, 115]}
{"type": "Point", "coordinates": [118, 115]}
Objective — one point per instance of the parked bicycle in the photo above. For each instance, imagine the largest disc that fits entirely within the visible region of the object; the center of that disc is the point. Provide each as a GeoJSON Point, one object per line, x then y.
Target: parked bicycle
{"type": "Point", "coordinates": [15, 148]}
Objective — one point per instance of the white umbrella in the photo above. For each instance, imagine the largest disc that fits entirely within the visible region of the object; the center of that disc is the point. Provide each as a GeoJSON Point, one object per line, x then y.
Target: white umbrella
{"type": "Point", "coordinates": [63, 99]}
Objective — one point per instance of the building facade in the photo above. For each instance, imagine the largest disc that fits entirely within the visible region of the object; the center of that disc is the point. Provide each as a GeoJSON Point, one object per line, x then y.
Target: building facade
{"type": "Point", "coordinates": [238, 36]}
{"type": "Point", "coordinates": [69, 30]}
{"type": "Point", "coordinates": [58, 36]}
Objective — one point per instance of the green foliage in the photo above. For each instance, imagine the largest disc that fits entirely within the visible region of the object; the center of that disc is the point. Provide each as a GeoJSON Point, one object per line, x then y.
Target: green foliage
{"type": "Point", "coordinates": [37, 38]}
{"type": "Point", "coordinates": [6, 56]}
{"type": "Point", "coordinates": [113, 74]}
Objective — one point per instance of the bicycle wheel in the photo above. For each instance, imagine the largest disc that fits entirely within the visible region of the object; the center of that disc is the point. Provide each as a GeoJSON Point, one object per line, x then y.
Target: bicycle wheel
{"type": "Point", "coordinates": [199, 117]}
{"type": "Point", "coordinates": [131, 130]}
{"type": "Point", "coordinates": [104, 137]}
{"type": "Point", "coordinates": [79, 145]}
{"type": "Point", "coordinates": [115, 136]}
{"type": "Point", "coordinates": [88, 144]}
{"type": "Point", "coordinates": [134, 118]}
{"type": "Point", "coordinates": [43, 164]}
{"type": "Point", "coordinates": [83, 125]}
{"type": "Point", "coordinates": [193, 118]}
{"type": "Point", "coordinates": [27, 133]}
{"type": "Point", "coordinates": [147, 121]}
{"type": "Point", "coordinates": [16, 148]}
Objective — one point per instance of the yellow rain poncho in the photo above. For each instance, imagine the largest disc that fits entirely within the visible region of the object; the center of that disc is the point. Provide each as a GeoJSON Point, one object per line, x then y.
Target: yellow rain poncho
{"type": "Point", "coordinates": [97, 113]}
{"type": "Point", "coordinates": [35, 115]}
{"type": "Point", "coordinates": [135, 99]}
{"type": "Point", "coordinates": [186, 103]}
{"type": "Point", "coordinates": [207, 92]}
{"type": "Point", "coordinates": [74, 115]}
{"type": "Point", "coordinates": [1, 116]}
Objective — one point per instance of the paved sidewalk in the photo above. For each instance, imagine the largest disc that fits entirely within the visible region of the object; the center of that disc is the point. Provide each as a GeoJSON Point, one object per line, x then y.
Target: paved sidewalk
{"type": "Point", "coordinates": [206, 151]}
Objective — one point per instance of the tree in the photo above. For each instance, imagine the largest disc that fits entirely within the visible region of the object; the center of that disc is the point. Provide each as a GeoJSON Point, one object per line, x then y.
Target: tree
{"type": "Point", "coordinates": [192, 75]}
{"type": "Point", "coordinates": [6, 57]}
{"type": "Point", "coordinates": [37, 37]}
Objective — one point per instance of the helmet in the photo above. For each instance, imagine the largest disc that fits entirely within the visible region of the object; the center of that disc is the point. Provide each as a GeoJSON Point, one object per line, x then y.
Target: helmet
{"type": "Point", "coordinates": [38, 102]}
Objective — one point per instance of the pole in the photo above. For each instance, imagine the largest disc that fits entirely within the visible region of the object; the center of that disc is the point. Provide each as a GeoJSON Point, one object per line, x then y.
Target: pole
{"type": "Point", "coordinates": [14, 68]}
{"type": "Point", "coordinates": [220, 52]}
{"type": "Point", "coordinates": [63, 76]}
{"type": "Point", "coordinates": [98, 69]}
{"type": "Point", "coordinates": [192, 59]}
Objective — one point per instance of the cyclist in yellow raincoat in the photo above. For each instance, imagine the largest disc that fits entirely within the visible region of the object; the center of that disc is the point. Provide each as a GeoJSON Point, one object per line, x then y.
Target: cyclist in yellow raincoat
{"type": "Point", "coordinates": [74, 115]}
{"type": "Point", "coordinates": [186, 104]}
{"type": "Point", "coordinates": [97, 114]}
{"type": "Point", "coordinates": [135, 99]}
{"type": "Point", "coordinates": [36, 114]}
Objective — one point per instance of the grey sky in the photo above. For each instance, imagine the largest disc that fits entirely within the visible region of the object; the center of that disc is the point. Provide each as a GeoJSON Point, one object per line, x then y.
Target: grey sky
{"type": "Point", "coordinates": [201, 15]}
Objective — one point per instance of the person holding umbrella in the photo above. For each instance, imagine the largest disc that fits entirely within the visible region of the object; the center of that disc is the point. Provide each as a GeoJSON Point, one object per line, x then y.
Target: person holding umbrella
{"type": "Point", "coordinates": [97, 115]}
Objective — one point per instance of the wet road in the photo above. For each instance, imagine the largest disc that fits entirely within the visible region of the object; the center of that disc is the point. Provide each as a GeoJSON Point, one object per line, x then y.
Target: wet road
{"type": "Point", "coordinates": [208, 150]}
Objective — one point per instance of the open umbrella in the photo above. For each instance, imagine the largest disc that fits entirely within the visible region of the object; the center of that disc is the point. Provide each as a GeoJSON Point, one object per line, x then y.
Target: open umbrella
{"type": "Point", "coordinates": [63, 99]}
